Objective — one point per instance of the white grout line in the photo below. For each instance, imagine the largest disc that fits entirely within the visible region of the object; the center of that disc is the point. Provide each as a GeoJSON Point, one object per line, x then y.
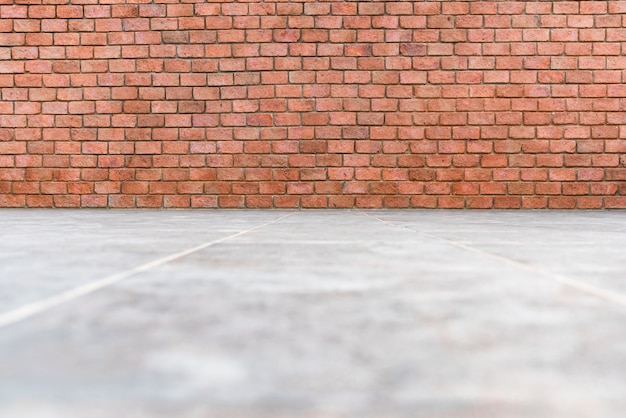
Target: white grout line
{"type": "Point", "coordinates": [35, 308]}
{"type": "Point", "coordinates": [581, 286]}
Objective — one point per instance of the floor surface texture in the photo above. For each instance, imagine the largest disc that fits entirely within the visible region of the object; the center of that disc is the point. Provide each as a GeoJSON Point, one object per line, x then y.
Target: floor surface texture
{"type": "Point", "coordinates": [325, 314]}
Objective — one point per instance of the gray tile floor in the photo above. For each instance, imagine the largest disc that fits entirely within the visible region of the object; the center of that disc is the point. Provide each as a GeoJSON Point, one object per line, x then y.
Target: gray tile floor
{"type": "Point", "coordinates": [329, 314]}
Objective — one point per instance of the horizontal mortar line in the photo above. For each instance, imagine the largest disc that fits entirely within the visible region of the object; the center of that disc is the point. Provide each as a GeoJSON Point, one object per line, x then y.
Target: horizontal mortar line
{"type": "Point", "coordinates": [35, 308]}
{"type": "Point", "coordinates": [598, 292]}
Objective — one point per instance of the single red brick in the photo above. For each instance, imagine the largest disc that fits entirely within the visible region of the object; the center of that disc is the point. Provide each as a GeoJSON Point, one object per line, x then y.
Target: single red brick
{"type": "Point", "coordinates": [479, 202]}
{"type": "Point", "coordinates": [589, 202]}
{"type": "Point", "coordinates": [615, 202]}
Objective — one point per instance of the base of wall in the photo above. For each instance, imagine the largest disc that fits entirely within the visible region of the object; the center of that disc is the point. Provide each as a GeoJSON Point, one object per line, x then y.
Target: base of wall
{"type": "Point", "coordinates": [315, 201]}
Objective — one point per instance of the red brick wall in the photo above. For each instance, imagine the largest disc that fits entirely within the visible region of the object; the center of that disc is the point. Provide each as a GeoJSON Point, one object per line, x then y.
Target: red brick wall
{"type": "Point", "coordinates": [479, 104]}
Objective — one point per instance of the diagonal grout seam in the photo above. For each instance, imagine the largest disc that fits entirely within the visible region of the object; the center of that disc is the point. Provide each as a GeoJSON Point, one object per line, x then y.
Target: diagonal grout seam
{"type": "Point", "coordinates": [580, 286]}
{"type": "Point", "coordinates": [35, 308]}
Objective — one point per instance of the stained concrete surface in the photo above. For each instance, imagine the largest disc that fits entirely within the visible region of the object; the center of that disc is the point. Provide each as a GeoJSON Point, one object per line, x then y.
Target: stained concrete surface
{"type": "Point", "coordinates": [329, 314]}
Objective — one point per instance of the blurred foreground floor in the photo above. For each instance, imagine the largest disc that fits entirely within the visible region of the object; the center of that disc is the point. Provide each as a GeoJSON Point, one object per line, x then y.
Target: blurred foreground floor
{"type": "Point", "coordinates": [326, 314]}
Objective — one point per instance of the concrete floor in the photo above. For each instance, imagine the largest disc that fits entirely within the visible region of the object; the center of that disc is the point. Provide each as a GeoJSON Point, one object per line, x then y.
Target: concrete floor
{"type": "Point", "coordinates": [232, 314]}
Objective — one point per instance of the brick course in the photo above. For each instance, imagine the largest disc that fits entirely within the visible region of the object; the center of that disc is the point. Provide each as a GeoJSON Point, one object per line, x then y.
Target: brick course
{"type": "Point", "coordinates": [314, 104]}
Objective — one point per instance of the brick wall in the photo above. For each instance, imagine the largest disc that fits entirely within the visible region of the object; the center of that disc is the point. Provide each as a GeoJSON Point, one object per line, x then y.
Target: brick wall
{"type": "Point", "coordinates": [479, 104]}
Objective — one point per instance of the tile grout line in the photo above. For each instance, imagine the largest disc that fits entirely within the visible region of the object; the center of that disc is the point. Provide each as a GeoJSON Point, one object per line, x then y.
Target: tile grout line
{"type": "Point", "coordinates": [580, 286]}
{"type": "Point", "coordinates": [35, 308]}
